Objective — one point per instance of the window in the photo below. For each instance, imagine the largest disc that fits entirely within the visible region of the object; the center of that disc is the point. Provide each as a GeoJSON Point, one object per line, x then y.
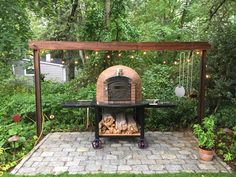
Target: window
{"type": "Point", "coordinates": [29, 71]}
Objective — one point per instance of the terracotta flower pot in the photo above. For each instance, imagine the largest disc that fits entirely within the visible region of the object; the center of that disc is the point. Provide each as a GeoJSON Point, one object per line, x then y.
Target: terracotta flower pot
{"type": "Point", "coordinates": [206, 155]}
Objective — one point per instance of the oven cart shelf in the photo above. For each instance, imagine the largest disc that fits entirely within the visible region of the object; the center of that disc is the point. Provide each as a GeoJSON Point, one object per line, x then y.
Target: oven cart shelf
{"type": "Point", "coordinates": [120, 135]}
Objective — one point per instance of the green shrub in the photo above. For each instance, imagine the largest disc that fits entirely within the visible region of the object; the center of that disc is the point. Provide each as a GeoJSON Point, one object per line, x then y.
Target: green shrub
{"type": "Point", "coordinates": [13, 85]}
{"type": "Point", "coordinates": [226, 116]}
{"type": "Point", "coordinates": [11, 152]}
{"type": "Point", "coordinates": [226, 144]}
{"type": "Point", "coordinates": [205, 132]}
{"type": "Point", "coordinates": [157, 83]}
{"type": "Point", "coordinates": [20, 103]}
{"type": "Point", "coordinates": [54, 94]}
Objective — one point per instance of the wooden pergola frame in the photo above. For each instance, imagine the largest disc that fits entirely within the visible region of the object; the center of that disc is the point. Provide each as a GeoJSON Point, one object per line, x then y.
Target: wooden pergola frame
{"type": "Point", "coordinates": [116, 46]}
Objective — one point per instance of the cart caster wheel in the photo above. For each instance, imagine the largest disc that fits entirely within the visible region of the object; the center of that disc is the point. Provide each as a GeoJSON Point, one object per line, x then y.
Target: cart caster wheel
{"type": "Point", "coordinates": [142, 144]}
{"type": "Point", "coordinates": [97, 144]}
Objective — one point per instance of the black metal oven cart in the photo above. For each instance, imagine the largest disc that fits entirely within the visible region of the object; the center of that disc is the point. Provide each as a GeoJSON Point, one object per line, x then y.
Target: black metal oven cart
{"type": "Point", "coordinates": [138, 110]}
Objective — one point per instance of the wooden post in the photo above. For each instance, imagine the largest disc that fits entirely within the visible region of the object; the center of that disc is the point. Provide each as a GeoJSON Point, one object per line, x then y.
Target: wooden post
{"type": "Point", "coordinates": [201, 108]}
{"type": "Point", "coordinates": [38, 99]}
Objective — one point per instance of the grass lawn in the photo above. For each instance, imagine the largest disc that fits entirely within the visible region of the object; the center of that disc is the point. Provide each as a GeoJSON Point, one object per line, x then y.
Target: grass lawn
{"type": "Point", "coordinates": [137, 175]}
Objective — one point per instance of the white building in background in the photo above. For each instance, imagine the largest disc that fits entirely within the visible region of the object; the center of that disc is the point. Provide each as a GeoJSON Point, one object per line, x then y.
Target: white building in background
{"type": "Point", "coordinates": [51, 69]}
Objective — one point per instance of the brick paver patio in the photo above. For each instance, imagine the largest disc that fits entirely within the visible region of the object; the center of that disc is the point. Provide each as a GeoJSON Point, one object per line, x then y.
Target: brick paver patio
{"type": "Point", "coordinates": [73, 153]}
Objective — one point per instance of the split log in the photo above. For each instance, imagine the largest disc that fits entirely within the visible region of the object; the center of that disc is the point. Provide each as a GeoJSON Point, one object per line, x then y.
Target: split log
{"type": "Point", "coordinates": [107, 124]}
{"type": "Point", "coordinates": [131, 125]}
{"type": "Point", "coordinates": [121, 123]}
{"type": "Point", "coordinates": [107, 120]}
{"type": "Point", "coordinates": [110, 125]}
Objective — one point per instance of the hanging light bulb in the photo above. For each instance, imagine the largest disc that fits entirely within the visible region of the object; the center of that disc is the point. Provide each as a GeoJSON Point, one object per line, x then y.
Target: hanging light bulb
{"type": "Point", "coordinates": [179, 91]}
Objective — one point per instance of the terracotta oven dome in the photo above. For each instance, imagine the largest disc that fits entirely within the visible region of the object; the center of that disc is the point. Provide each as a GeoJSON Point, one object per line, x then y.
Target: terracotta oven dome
{"type": "Point", "coordinates": [118, 85]}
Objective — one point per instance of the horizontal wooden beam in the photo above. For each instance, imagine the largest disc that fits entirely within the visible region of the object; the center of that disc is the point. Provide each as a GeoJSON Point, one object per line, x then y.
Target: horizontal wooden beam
{"type": "Point", "coordinates": [118, 46]}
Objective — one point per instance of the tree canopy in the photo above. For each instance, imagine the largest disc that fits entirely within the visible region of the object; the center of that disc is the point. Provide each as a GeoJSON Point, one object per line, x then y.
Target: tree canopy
{"type": "Point", "coordinates": [121, 20]}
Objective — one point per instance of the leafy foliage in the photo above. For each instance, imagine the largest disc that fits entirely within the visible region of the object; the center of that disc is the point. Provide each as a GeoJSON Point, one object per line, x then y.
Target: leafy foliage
{"type": "Point", "coordinates": [226, 144]}
{"type": "Point", "coordinates": [222, 66]}
{"type": "Point", "coordinates": [225, 117]}
{"type": "Point", "coordinates": [158, 82]}
{"type": "Point", "coordinates": [14, 30]}
{"type": "Point", "coordinates": [12, 151]}
{"type": "Point", "coordinates": [205, 132]}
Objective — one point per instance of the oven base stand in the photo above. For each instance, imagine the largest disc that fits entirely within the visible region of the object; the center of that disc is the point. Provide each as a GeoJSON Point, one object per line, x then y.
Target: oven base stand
{"type": "Point", "coordinates": [138, 113]}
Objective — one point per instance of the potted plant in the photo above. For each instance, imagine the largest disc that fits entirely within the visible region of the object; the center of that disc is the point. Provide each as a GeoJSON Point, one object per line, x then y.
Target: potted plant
{"type": "Point", "coordinates": [206, 137]}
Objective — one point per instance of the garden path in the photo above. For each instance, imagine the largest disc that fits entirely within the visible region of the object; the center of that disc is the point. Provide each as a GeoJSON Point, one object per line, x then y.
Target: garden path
{"type": "Point", "coordinates": [73, 153]}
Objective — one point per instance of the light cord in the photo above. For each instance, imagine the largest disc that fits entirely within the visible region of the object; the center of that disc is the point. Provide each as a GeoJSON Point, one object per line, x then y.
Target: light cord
{"type": "Point", "coordinates": [180, 65]}
{"type": "Point", "coordinates": [187, 84]}
{"type": "Point", "coordinates": [191, 73]}
{"type": "Point", "coordinates": [183, 68]}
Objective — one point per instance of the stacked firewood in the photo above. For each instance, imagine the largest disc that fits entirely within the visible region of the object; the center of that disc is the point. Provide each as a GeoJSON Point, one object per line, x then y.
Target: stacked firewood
{"type": "Point", "coordinates": [118, 124]}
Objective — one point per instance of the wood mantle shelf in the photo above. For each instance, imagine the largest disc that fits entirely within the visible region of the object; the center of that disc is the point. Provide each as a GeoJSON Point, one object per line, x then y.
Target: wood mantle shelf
{"type": "Point", "coordinates": [118, 46]}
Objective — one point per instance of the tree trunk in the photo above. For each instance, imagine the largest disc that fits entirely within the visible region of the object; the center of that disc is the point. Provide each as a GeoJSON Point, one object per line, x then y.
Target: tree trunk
{"type": "Point", "coordinates": [71, 19]}
{"type": "Point", "coordinates": [107, 13]}
{"type": "Point", "coordinates": [71, 67]}
{"type": "Point", "coordinates": [81, 55]}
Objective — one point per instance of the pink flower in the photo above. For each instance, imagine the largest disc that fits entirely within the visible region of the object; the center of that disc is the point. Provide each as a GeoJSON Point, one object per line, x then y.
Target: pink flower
{"type": "Point", "coordinates": [16, 118]}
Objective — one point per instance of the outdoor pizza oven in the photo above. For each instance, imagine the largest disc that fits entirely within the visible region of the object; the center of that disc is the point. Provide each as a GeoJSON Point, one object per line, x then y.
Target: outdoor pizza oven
{"type": "Point", "coordinates": [118, 89]}
{"type": "Point", "coordinates": [118, 85]}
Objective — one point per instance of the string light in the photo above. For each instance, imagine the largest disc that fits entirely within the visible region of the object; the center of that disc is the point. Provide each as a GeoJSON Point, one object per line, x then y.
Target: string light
{"type": "Point", "coordinates": [207, 76]}
{"type": "Point", "coordinates": [76, 62]}
{"type": "Point", "coordinates": [108, 56]}
{"type": "Point", "coordinates": [164, 62]}
{"type": "Point", "coordinates": [144, 53]}
{"type": "Point", "coordinates": [188, 60]}
{"type": "Point", "coordinates": [62, 62]}
{"type": "Point", "coordinates": [132, 56]}
{"type": "Point", "coordinates": [175, 62]}
{"type": "Point", "coordinates": [119, 55]}
{"type": "Point", "coordinates": [96, 53]}
{"type": "Point", "coordinates": [197, 52]}
{"type": "Point", "coordinates": [51, 59]}
{"type": "Point", "coordinates": [86, 57]}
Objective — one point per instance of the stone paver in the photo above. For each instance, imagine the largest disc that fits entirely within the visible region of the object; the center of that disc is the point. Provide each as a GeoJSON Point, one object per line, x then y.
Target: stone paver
{"type": "Point", "coordinates": [167, 152]}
